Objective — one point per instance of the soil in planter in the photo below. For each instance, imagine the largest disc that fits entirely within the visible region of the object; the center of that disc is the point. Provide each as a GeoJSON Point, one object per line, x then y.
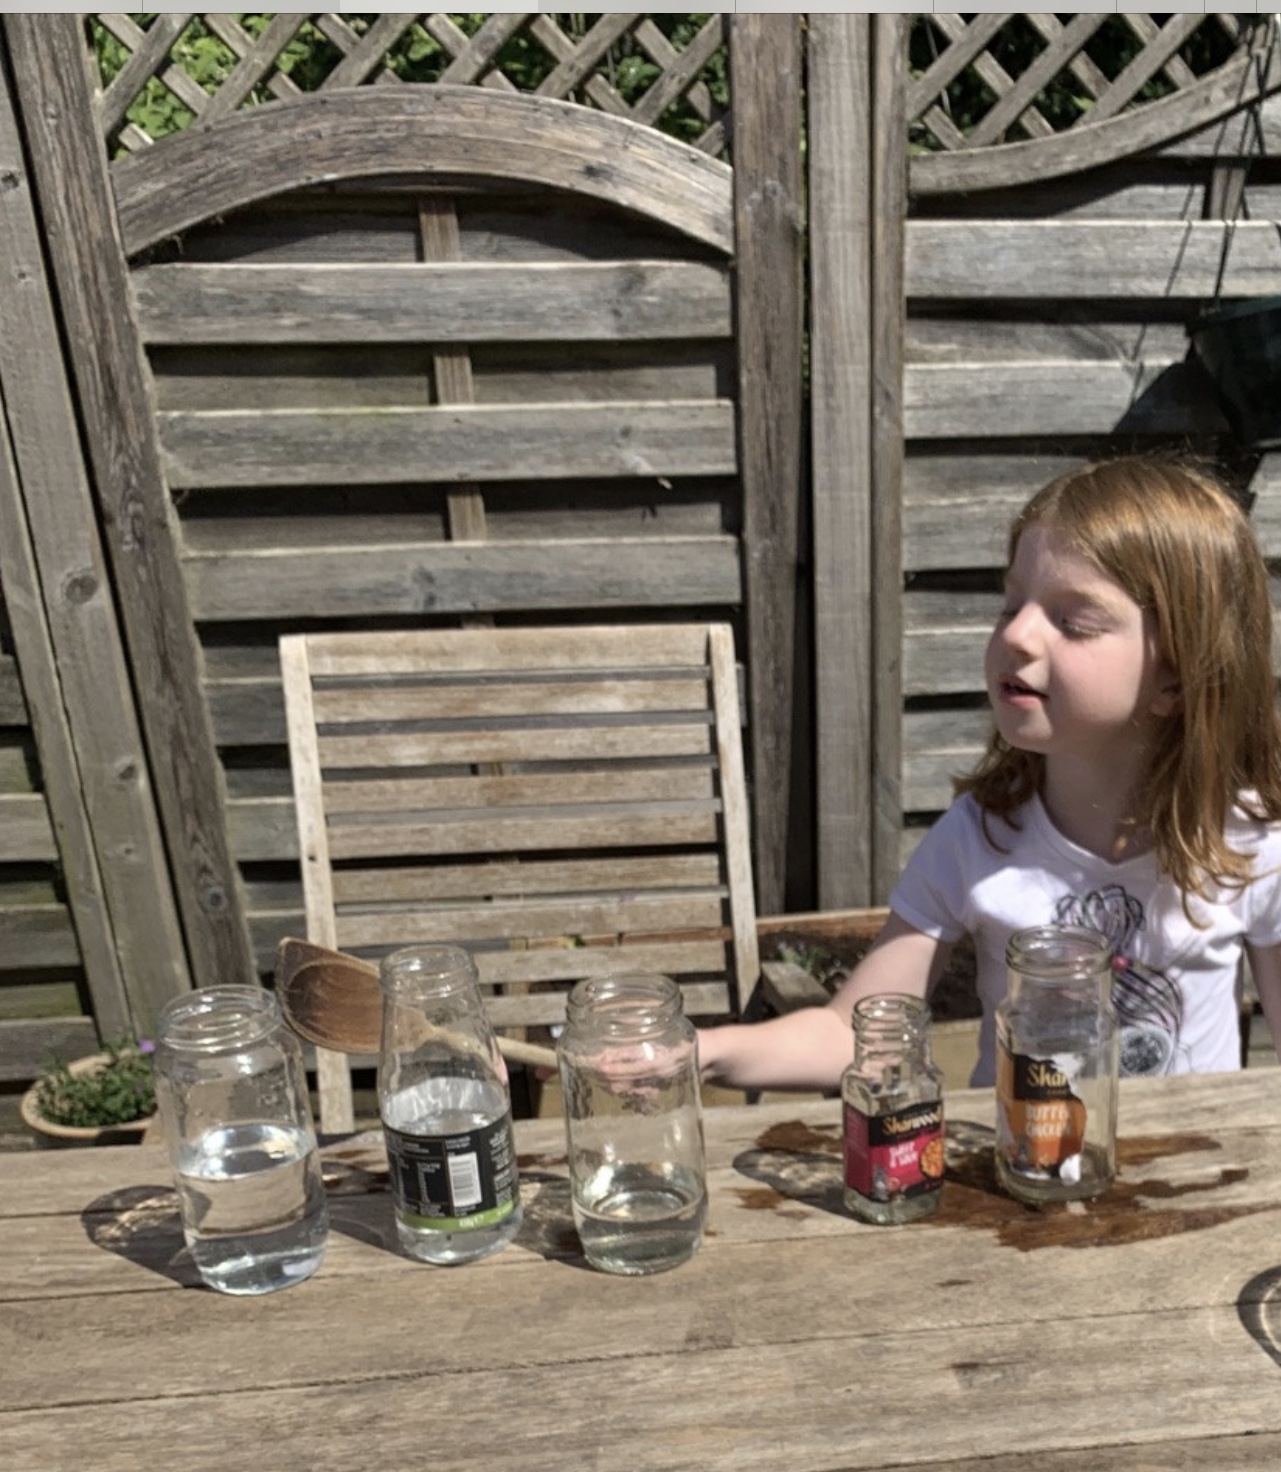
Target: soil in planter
{"type": "Point", "coordinates": [829, 959]}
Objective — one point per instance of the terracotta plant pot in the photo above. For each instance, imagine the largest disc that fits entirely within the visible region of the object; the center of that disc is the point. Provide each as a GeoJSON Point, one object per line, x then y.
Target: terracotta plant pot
{"type": "Point", "coordinates": [50, 1136]}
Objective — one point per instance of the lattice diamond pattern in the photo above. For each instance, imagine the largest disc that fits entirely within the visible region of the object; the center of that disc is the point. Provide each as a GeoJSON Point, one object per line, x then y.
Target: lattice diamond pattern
{"type": "Point", "coordinates": [177, 68]}
{"type": "Point", "coordinates": [1001, 78]}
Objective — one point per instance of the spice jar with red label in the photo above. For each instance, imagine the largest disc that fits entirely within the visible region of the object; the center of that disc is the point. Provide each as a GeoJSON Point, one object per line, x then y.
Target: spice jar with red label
{"type": "Point", "coordinates": [1057, 1066]}
{"type": "Point", "coordinates": [893, 1108]}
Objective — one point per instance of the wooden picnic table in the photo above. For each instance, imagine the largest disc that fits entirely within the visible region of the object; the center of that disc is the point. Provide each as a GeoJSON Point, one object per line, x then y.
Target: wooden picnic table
{"type": "Point", "coordinates": [1141, 1331]}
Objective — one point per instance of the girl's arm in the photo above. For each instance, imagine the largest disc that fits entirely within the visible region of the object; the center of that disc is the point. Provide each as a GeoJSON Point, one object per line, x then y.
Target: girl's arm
{"type": "Point", "coordinates": [811, 1047]}
{"type": "Point", "coordinates": [1265, 968]}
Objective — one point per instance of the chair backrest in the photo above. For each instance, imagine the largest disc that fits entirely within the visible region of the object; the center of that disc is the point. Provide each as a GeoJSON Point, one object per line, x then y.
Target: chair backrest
{"type": "Point", "coordinates": [562, 802]}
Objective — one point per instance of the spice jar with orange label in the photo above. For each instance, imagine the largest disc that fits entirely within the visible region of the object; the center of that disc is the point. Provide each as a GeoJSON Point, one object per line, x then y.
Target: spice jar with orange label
{"type": "Point", "coordinates": [1057, 1065]}
{"type": "Point", "coordinates": [893, 1110]}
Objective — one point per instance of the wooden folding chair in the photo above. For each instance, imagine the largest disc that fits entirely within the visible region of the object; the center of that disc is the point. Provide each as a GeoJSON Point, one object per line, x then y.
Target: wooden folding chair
{"type": "Point", "coordinates": [562, 802]}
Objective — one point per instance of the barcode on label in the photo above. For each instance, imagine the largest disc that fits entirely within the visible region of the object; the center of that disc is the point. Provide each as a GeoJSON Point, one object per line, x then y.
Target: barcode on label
{"type": "Point", "coordinates": [464, 1181]}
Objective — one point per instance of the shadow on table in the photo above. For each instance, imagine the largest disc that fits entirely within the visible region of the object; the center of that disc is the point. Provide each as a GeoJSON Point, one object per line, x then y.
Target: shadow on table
{"type": "Point", "coordinates": [802, 1162]}
{"type": "Point", "coordinates": [360, 1204]}
{"type": "Point", "coordinates": [141, 1223]}
{"type": "Point", "coordinates": [1259, 1308]}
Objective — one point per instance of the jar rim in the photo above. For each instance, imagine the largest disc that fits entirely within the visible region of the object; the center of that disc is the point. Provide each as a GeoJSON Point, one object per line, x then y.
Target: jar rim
{"type": "Point", "coordinates": [625, 999]}
{"type": "Point", "coordinates": [212, 1018]}
{"type": "Point", "coordinates": [1058, 952]}
{"type": "Point", "coordinates": [892, 1007]}
{"type": "Point", "coordinates": [426, 971]}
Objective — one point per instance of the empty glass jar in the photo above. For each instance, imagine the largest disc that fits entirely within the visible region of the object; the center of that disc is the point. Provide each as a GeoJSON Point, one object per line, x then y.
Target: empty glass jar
{"type": "Point", "coordinates": [893, 1113]}
{"type": "Point", "coordinates": [1057, 1066]}
{"type": "Point", "coordinates": [232, 1095]}
{"type": "Point", "coordinates": [634, 1124]}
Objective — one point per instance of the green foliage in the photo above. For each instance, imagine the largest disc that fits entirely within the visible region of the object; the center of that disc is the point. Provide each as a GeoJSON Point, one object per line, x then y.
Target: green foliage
{"type": "Point", "coordinates": [123, 1089]}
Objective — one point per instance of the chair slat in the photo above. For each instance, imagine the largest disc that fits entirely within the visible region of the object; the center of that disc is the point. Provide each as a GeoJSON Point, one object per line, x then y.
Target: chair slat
{"type": "Point", "coordinates": [508, 832]}
{"type": "Point", "coordinates": [544, 1009]}
{"type": "Point", "coordinates": [523, 789]}
{"type": "Point", "coordinates": [510, 920]}
{"type": "Point", "coordinates": [426, 651]}
{"type": "Point", "coordinates": [494, 878]}
{"type": "Point", "coordinates": [440, 748]}
{"type": "Point", "coordinates": [379, 703]}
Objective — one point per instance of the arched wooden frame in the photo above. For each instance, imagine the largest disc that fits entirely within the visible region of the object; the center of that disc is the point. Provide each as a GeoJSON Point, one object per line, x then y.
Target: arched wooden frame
{"type": "Point", "coordinates": [439, 132]}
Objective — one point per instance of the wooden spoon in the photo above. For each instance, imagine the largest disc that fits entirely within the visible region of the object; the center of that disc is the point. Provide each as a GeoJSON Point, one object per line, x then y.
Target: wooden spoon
{"type": "Point", "coordinates": [333, 1000]}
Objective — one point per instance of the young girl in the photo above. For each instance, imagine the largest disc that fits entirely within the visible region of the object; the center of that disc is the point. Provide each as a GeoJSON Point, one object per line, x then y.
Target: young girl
{"type": "Point", "coordinates": [1132, 784]}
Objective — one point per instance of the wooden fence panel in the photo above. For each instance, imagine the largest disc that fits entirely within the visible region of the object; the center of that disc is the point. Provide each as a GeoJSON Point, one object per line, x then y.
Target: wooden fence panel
{"type": "Point", "coordinates": [457, 354]}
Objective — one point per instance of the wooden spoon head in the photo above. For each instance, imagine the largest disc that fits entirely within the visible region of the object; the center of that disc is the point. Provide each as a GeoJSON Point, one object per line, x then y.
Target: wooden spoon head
{"type": "Point", "coordinates": [328, 997]}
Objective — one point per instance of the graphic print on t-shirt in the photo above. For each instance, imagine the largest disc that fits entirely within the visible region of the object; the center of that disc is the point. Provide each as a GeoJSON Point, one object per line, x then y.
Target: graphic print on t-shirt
{"type": "Point", "coordinates": [1148, 1004]}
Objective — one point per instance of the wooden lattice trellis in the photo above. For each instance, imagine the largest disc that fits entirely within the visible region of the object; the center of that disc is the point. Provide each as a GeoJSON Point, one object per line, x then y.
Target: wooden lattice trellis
{"type": "Point", "coordinates": [975, 122]}
{"type": "Point", "coordinates": [251, 68]}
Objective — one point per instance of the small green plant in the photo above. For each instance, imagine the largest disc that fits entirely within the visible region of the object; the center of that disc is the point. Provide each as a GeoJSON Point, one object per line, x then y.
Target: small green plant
{"type": "Point", "coordinates": [123, 1089]}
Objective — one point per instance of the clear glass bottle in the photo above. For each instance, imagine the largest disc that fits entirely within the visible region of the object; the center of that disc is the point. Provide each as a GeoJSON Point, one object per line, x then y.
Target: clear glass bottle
{"type": "Point", "coordinates": [634, 1123]}
{"type": "Point", "coordinates": [893, 1113]}
{"type": "Point", "coordinates": [1057, 1064]}
{"type": "Point", "coordinates": [232, 1095]}
{"type": "Point", "coordinates": [446, 1110]}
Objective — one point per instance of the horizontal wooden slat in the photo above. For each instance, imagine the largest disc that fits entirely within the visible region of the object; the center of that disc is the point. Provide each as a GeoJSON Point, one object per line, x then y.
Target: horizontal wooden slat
{"type": "Point", "coordinates": [16, 774]}
{"type": "Point", "coordinates": [1044, 398]}
{"type": "Point", "coordinates": [957, 507]}
{"type": "Point", "coordinates": [378, 702]}
{"type": "Point", "coordinates": [465, 577]}
{"type": "Point", "coordinates": [577, 742]}
{"type": "Point", "coordinates": [529, 920]}
{"type": "Point", "coordinates": [472, 442]}
{"type": "Point", "coordinates": [1178, 260]}
{"type": "Point", "coordinates": [534, 833]}
{"type": "Point", "coordinates": [546, 876]}
{"type": "Point", "coordinates": [262, 828]}
{"type": "Point", "coordinates": [994, 335]}
{"type": "Point", "coordinates": [334, 376]}
{"type": "Point", "coordinates": [939, 745]}
{"type": "Point", "coordinates": [671, 783]}
{"type": "Point", "coordinates": [457, 302]}
{"type": "Point", "coordinates": [26, 1046]}
{"type": "Point", "coordinates": [35, 936]}
{"type": "Point", "coordinates": [481, 650]}
{"type": "Point", "coordinates": [13, 706]}
{"type": "Point", "coordinates": [25, 831]}
{"type": "Point", "coordinates": [540, 1009]}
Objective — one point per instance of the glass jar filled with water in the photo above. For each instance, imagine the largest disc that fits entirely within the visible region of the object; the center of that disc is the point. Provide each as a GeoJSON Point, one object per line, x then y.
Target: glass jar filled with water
{"type": "Point", "coordinates": [446, 1110]}
{"type": "Point", "coordinates": [232, 1094]}
{"type": "Point", "coordinates": [633, 1117]}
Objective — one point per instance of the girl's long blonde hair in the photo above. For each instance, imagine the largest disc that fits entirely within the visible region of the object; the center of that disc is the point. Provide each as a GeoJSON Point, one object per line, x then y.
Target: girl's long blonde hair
{"type": "Point", "coordinates": [1167, 531]}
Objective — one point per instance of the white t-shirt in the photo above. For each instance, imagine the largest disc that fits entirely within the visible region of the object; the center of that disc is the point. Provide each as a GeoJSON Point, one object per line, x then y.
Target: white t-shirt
{"type": "Point", "coordinates": [1176, 989]}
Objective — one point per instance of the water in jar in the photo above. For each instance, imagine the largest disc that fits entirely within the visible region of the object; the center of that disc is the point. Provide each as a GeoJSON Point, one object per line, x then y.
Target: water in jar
{"type": "Point", "coordinates": [452, 1107]}
{"type": "Point", "coordinates": [253, 1206]}
{"type": "Point", "coordinates": [638, 1218]}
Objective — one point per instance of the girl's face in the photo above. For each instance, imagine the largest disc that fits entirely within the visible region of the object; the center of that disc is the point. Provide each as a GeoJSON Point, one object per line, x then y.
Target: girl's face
{"type": "Point", "coordinates": [1072, 665]}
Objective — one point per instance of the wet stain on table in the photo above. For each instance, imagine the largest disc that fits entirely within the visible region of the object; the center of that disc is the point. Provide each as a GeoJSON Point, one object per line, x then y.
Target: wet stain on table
{"type": "Point", "coordinates": [798, 1163]}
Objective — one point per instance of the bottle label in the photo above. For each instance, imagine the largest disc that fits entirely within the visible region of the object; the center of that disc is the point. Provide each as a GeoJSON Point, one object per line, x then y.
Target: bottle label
{"type": "Point", "coordinates": [1041, 1121]}
{"type": "Point", "coordinates": [453, 1183]}
{"type": "Point", "coordinates": [894, 1155]}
